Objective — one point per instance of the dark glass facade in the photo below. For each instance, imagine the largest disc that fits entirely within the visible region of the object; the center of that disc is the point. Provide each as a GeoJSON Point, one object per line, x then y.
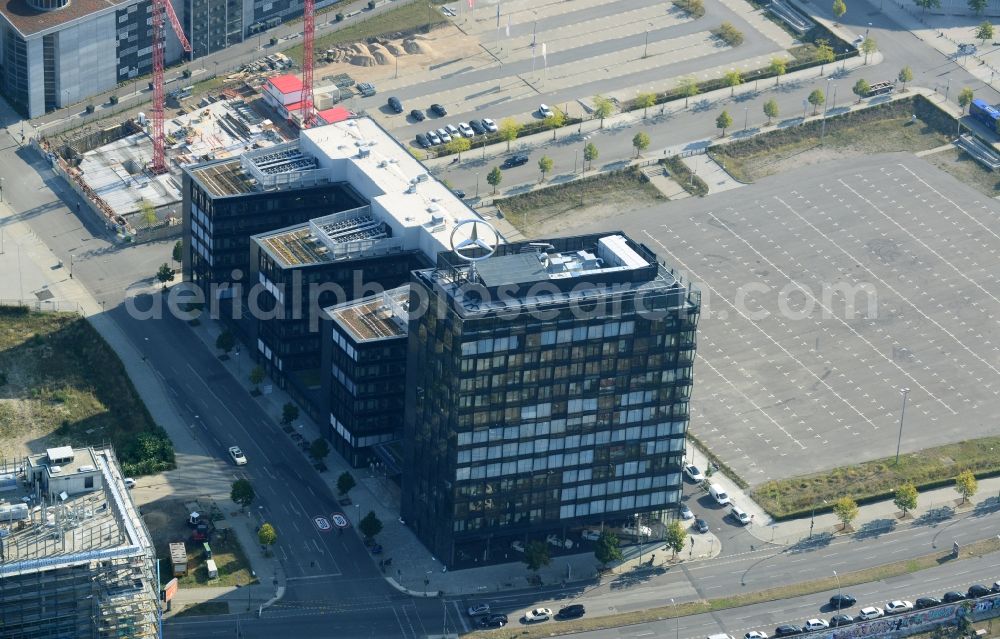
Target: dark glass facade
{"type": "Point", "coordinates": [520, 425]}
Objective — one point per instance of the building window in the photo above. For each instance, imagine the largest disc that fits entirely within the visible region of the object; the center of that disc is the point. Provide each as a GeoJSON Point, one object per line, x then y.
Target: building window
{"type": "Point", "coordinates": [88, 482]}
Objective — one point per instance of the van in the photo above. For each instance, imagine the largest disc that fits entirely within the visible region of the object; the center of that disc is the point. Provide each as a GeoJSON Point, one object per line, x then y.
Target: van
{"type": "Point", "coordinates": [740, 515]}
{"type": "Point", "coordinates": [717, 493]}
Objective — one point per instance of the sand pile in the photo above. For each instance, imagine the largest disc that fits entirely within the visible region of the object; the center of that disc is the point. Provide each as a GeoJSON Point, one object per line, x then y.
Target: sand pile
{"type": "Point", "coordinates": [395, 48]}
{"type": "Point", "coordinates": [363, 61]}
{"type": "Point", "coordinates": [381, 54]}
{"type": "Point", "coordinates": [413, 47]}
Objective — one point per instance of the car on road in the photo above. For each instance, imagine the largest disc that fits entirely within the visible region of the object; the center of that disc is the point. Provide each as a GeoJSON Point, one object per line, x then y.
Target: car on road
{"type": "Point", "coordinates": [701, 525]}
{"type": "Point", "coordinates": [489, 125]}
{"type": "Point", "coordinates": [786, 630]}
{"type": "Point", "coordinates": [842, 600]}
{"type": "Point", "coordinates": [479, 609]}
{"type": "Point", "coordinates": [996, 587]}
{"type": "Point", "coordinates": [514, 160]}
{"type": "Point", "coordinates": [492, 621]}
{"type": "Point", "coordinates": [841, 620]}
{"type": "Point", "coordinates": [926, 602]}
{"type": "Point", "coordinates": [951, 597]}
{"type": "Point", "coordinates": [755, 634]}
{"type": "Point", "coordinates": [720, 496]}
{"type": "Point", "coordinates": [544, 110]}
{"type": "Point", "coordinates": [477, 126]}
{"type": "Point", "coordinates": [433, 137]}
{"type": "Point", "coordinates": [869, 613]}
{"type": "Point", "coordinates": [238, 457]}
{"type": "Point", "coordinates": [574, 611]}
{"type": "Point", "coordinates": [816, 624]}
{"type": "Point", "coordinates": [438, 110]}
{"type": "Point", "coordinates": [977, 590]}
{"type": "Point", "coordinates": [686, 512]}
{"type": "Point", "coordinates": [459, 193]}
{"type": "Point", "coordinates": [444, 135]}
{"type": "Point", "coordinates": [590, 535]}
{"type": "Point", "coordinates": [423, 141]}
{"type": "Point", "coordinates": [395, 105]}
{"type": "Point", "coordinates": [897, 606]}
{"type": "Point", "coordinates": [129, 482]}
{"type": "Point", "coordinates": [740, 515]}
{"type": "Point", "coordinates": [417, 115]}
{"type": "Point", "coordinates": [694, 473]}
{"type": "Point", "coordinates": [538, 614]}
{"type": "Point", "coordinates": [466, 130]}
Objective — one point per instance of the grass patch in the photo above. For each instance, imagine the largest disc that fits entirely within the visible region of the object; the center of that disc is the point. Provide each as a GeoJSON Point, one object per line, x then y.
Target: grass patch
{"type": "Point", "coordinates": [876, 573]}
{"type": "Point", "coordinates": [680, 173]}
{"type": "Point", "coordinates": [961, 165]}
{"type": "Point", "coordinates": [204, 608]}
{"type": "Point", "coordinates": [535, 207]}
{"type": "Point", "coordinates": [875, 480]}
{"type": "Point", "coordinates": [694, 8]}
{"type": "Point", "coordinates": [64, 385]}
{"type": "Point", "coordinates": [407, 19]}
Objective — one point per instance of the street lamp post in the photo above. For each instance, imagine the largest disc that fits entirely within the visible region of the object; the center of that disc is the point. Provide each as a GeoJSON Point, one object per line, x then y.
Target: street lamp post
{"type": "Point", "coordinates": [902, 414]}
{"type": "Point", "coordinates": [838, 591]}
{"type": "Point", "coordinates": [645, 47]}
{"type": "Point", "coordinates": [822, 130]}
{"type": "Point", "coordinates": [477, 185]}
{"type": "Point", "coordinates": [746, 117]}
{"type": "Point", "coordinates": [677, 620]}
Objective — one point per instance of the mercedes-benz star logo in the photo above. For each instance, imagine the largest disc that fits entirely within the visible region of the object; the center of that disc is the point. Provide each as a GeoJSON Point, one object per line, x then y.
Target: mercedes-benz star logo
{"type": "Point", "coordinates": [467, 248]}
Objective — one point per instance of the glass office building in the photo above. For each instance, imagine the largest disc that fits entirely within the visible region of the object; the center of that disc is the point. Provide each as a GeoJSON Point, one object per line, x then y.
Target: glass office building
{"type": "Point", "coordinates": [547, 392]}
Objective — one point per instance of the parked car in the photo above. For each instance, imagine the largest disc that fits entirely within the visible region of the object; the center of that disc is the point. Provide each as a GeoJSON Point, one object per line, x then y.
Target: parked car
{"type": "Point", "coordinates": [977, 590]}
{"type": "Point", "coordinates": [459, 193]}
{"type": "Point", "coordinates": [926, 602]}
{"type": "Point", "coordinates": [238, 457]}
{"type": "Point", "coordinates": [996, 587]}
{"type": "Point", "coordinates": [417, 115]}
{"type": "Point", "coordinates": [479, 609]}
{"type": "Point", "coordinates": [841, 620]}
{"type": "Point", "coordinates": [694, 473]}
{"type": "Point", "coordinates": [517, 545]}
{"type": "Point", "coordinates": [720, 496]}
{"type": "Point", "coordinates": [438, 110]}
{"type": "Point", "coordinates": [545, 111]}
{"type": "Point", "coordinates": [869, 613]}
{"type": "Point", "coordinates": [538, 614]}
{"type": "Point", "coordinates": [842, 600]}
{"type": "Point", "coordinates": [492, 621]}
{"type": "Point", "coordinates": [452, 130]}
{"type": "Point", "coordinates": [591, 535]}
{"type": "Point", "coordinates": [129, 482]}
{"type": "Point", "coordinates": [489, 125]}
{"type": "Point", "coordinates": [395, 105]}
{"type": "Point", "coordinates": [701, 525]}
{"type": "Point", "coordinates": [433, 137]}
{"type": "Point", "coordinates": [686, 512]}
{"type": "Point", "coordinates": [423, 141]}
{"type": "Point", "coordinates": [574, 611]}
{"type": "Point", "coordinates": [755, 634]}
{"type": "Point", "coordinates": [466, 130]}
{"type": "Point", "coordinates": [786, 630]}
{"type": "Point", "coordinates": [816, 624]}
{"type": "Point", "coordinates": [477, 126]}
{"type": "Point", "coordinates": [740, 515]}
{"type": "Point", "coordinates": [897, 606]}
{"type": "Point", "coordinates": [444, 135]}
{"type": "Point", "coordinates": [514, 160]}
{"type": "Point", "coordinates": [643, 530]}
{"type": "Point", "coordinates": [951, 596]}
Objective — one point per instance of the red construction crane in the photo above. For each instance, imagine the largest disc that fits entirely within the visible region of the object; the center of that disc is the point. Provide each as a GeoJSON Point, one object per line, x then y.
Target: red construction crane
{"type": "Point", "coordinates": [159, 44]}
{"type": "Point", "coordinates": [308, 31]}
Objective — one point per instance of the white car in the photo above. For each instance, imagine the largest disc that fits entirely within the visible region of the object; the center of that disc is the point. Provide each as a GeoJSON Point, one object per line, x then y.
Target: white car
{"type": "Point", "coordinates": [755, 634]}
{"type": "Point", "coordinates": [645, 531]}
{"type": "Point", "coordinates": [489, 125]}
{"type": "Point", "coordinates": [238, 457]}
{"type": "Point", "coordinates": [545, 111]}
{"type": "Point", "coordinates": [898, 605]}
{"type": "Point", "coordinates": [129, 482]}
{"type": "Point", "coordinates": [816, 624]}
{"type": "Point", "coordinates": [466, 130]}
{"type": "Point", "coordinates": [686, 512]}
{"type": "Point", "coordinates": [591, 535]}
{"type": "Point", "coordinates": [693, 473]}
{"type": "Point", "coordinates": [433, 137]}
{"type": "Point", "coordinates": [538, 614]}
{"type": "Point", "coordinates": [869, 613]}
{"type": "Point", "coordinates": [479, 609]}
{"type": "Point", "coordinates": [452, 130]}
{"type": "Point", "coordinates": [444, 135]}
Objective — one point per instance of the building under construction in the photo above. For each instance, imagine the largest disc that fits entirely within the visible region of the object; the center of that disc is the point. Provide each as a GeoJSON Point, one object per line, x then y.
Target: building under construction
{"type": "Point", "coordinates": [75, 557]}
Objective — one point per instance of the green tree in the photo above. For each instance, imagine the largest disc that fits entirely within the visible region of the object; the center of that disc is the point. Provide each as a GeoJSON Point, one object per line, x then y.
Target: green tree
{"type": "Point", "coordinates": [147, 212]}
{"type": "Point", "coordinates": [724, 121]}
{"type": "Point", "coordinates": [846, 510]}
{"type": "Point", "coordinates": [494, 177]}
{"type": "Point", "coordinates": [603, 107]}
{"type": "Point", "coordinates": [267, 535]}
{"type": "Point", "coordinates": [905, 497]}
{"type": "Point", "coordinates": [778, 67]}
{"type": "Point", "coordinates": [824, 54]}
{"type": "Point", "coordinates": [905, 75]}
{"type": "Point", "coordinates": [861, 88]}
{"type": "Point", "coordinates": [508, 130]}
{"type": "Point", "coordinates": [676, 536]}
{"type": "Point", "coordinates": [226, 341]}
{"type": "Point", "coordinates": [928, 4]}
{"type": "Point", "coordinates": [687, 87]}
{"type": "Point", "coordinates": [289, 413]}
{"type": "Point", "coordinates": [644, 101]}
{"type": "Point", "coordinates": [545, 165]}
{"type": "Point", "coordinates": [319, 449]}
{"type": "Point", "coordinates": [984, 31]}
{"type": "Point", "coordinates": [554, 121]}
{"type": "Point", "coordinates": [729, 34]}
{"type": "Point", "coordinates": [608, 549]}
{"type": "Point", "coordinates": [345, 483]}
{"type": "Point", "coordinates": [458, 146]}
{"type": "Point", "coordinates": [257, 374]}
{"type": "Point", "coordinates": [839, 8]}
{"type": "Point", "coordinates": [242, 493]}
{"type": "Point", "coordinates": [771, 110]}
{"type": "Point", "coordinates": [165, 274]}
{"type": "Point", "coordinates": [370, 525]}
{"type": "Point", "coordinates": [641, 142]}
{"type": "Point", "coordinates": [590, 153]}
{"type": "Point", "coordinates": [178, 253]}
{"type": "Point", "coordinates": [965, 97]}
{"type": "Point", "coordinates": [869, 46]}
{"type": "Point", "coordinates": [536, 555]}
{"type": "Point", "coordinates": [966, 485]}
{"type": "Point", "coordinates": [817, 99]}
{"type": "Point", "coordinates": [978, 6]}
{"type": "Point", "coordinates": [733, 79]}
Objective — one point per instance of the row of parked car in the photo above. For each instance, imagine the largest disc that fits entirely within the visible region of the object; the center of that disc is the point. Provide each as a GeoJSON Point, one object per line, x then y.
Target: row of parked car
{"type": "Point", "coordinates": [448, 132]}
{"type": "Point", "coordinates": [486, 618]}
{"type": "Point", "coordinates": [840, 602]}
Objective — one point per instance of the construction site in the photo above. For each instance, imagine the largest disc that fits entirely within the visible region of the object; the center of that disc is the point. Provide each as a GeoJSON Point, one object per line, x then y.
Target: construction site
{"type": "Point", "coordinates": [76, 559]}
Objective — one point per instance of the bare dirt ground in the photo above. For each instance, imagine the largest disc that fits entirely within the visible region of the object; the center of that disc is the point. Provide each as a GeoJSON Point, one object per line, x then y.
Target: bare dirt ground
{"type": "Point", "coordinates": [961, 165]}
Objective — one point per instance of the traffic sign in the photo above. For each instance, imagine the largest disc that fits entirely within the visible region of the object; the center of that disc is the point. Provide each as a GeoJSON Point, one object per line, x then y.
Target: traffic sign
{"type": "Point", "coordinates": [339, 520]}
{"type": "Point", "coordinates": [322, 523]}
